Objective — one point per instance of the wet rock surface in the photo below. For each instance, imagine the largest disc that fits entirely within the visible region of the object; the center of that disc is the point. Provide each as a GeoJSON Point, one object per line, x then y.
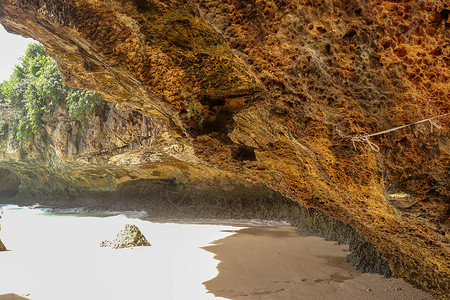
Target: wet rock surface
{"type": "Point", "coordinates": [9, 184]}
{"type": "Point", "coordinates": [271, 91]}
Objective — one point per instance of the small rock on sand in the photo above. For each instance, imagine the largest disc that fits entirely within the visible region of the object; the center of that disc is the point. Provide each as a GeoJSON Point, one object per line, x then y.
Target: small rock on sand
{"type": "Point", "coordinates": [129, 237]}
{"type": "Point", "coordinates": [2, 246]}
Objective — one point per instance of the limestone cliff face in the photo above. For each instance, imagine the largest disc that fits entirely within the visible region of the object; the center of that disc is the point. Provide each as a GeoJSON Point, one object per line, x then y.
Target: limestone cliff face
{"type": "Point", "coordinates": [113, 147]}
{"type": "Point", "coordinates": [273, 91]}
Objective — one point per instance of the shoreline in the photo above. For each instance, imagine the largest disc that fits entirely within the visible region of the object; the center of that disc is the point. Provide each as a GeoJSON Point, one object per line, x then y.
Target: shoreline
{"type": "Point", "coordinates": [80, 212]}
{"type": "Point", "coordinates": [59, 257]}
{"type": "Point", "coordinates": [277, 263]}
{"type": "Point", "coordinates": [237, 202]}
{"type": "Point", "coordinates": [256, 261]}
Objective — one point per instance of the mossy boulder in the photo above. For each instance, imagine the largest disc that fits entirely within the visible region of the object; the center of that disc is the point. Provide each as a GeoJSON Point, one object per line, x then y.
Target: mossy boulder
{"type": "Point", "coordinates": [129, 237]}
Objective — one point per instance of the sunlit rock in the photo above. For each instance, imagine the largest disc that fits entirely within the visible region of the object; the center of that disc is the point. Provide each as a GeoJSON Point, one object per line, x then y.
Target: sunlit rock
{"type": "Point", "coordinates": [129, 237]}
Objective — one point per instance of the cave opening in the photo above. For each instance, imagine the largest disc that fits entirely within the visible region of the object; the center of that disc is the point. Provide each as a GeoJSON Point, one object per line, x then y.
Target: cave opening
{"type": "Point", "coordinates": [276, 62]}
{"type": "Point", "coordinates": [9, 184]}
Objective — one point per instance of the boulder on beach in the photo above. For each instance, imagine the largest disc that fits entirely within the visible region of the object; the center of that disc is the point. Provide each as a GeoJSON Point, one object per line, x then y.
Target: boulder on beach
{"type": "Point", "coordinates": [2, 246]}
{"type": "Point", "coordinates": [129, 237]}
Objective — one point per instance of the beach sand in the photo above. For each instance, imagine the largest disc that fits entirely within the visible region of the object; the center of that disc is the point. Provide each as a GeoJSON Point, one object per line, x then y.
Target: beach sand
{"type": "Point", "coordinates": [278, 263]}
{"type": "Point", "coordinates": [58, 257]}
{"type": "Point", "coordinates": [12, 297]}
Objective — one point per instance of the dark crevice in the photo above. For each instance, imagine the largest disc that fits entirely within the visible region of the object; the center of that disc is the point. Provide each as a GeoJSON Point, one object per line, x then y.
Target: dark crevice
{"type": "Point", "coordinates": [444, 14]}
{"type": "Point", "coordinates": [242, 153]}
{"type": "Point", "coordinates": [218, 123]}
{"type": "Point", "coordinates": [9, 184]}
{"type": "Point", "coordinates": [350, 34]}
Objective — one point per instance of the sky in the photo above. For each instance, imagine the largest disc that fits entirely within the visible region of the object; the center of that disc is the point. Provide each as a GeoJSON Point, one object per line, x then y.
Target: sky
{"type": "Point", "coordinates": [12, 48]}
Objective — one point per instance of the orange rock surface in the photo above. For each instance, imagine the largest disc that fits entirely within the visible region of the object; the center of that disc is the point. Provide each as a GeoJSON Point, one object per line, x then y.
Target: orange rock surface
{"type": "Point", "coordinates": [274, 91]}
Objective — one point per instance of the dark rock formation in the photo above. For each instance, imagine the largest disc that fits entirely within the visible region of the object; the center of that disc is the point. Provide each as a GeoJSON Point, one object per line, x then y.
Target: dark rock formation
{"type": "Point", "coordinates": [271, 91]}
{"type": "Point", "coordinates": [2, 246]}
{"type": "Point", "coordinates": [9, 184]}
{"type": "Point", "coordinates": [129, 237]}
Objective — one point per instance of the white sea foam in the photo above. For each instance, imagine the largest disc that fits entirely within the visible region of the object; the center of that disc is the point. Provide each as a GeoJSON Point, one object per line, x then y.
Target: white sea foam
{"type": "Point", "coordinates": [57, 257]}
{"type": "Point", "coordinates": [85, 212]}
{"type": "Point", "coordinates": [231, 222]}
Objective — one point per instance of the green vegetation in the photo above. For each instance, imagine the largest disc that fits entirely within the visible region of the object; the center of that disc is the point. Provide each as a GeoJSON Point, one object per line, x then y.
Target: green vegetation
{"type": "Point", "coordinates": [35, 89]}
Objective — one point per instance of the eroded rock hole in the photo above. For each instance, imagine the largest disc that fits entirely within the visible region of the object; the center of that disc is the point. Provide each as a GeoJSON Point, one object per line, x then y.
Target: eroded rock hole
{"type": "Point", "coordinates": [218, 115]}
{"type": "Point", "coordinates": [9, 184]}
{"type": "Point", "coordinates": [243, 152]}
{"type": "Point", "coordinates": [321, 29]}
{"type": "Point", "coordinates": [444, 14]}
{"type": "Point", "coordinates": [350, 34]}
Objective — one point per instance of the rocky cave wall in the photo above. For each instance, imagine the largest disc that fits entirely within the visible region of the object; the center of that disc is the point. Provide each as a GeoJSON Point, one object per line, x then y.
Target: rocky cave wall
{"type": "Point", "coordinates": [111, 148]}
{"type": "Point", "coordinates": [9, 184]}
{"type": "Point", "coordinates": [273, 91]}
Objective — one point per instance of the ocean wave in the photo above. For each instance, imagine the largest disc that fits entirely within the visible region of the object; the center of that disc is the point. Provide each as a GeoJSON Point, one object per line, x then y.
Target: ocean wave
{"type": "Point", "coordinates": [74, 211]}
{"type": "Point", "coordinates": [85, 212]}
{"type": "Point", "coordinates": [230, 222]}
{"type": "Point", "coordinates": [140, 214]}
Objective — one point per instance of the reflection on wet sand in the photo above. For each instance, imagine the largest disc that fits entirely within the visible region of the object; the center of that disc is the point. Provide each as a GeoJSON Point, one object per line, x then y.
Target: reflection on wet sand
{"type": "Point", "coordinates": [278, 263]}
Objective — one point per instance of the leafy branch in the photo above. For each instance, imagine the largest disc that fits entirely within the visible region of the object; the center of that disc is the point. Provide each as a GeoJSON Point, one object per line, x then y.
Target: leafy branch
{"type": "Point", "coordinates": [35, 88]}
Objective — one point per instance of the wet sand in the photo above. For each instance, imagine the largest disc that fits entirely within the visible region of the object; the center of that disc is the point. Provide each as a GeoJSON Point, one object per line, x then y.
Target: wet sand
{"type": "Point", "coordinates": [278, 263]}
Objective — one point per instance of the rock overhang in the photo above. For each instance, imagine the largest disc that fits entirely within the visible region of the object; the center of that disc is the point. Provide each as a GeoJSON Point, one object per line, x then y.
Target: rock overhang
{"type": "Point", "coordinates": [273, 91]}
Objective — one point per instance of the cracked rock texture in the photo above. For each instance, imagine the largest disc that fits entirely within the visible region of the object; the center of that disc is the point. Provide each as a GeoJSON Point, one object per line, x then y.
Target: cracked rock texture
{"type": "Point", "coordinates": [273, 91]}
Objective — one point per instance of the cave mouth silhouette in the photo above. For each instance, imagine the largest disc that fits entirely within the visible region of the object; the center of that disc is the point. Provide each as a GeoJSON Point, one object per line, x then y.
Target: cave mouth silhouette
{"type": "Point", "coordinates": [9, 184]}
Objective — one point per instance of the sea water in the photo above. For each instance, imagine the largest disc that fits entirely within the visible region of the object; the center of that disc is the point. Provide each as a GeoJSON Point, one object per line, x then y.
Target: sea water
{"type": "Point", "coordinates": [55, 255]}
